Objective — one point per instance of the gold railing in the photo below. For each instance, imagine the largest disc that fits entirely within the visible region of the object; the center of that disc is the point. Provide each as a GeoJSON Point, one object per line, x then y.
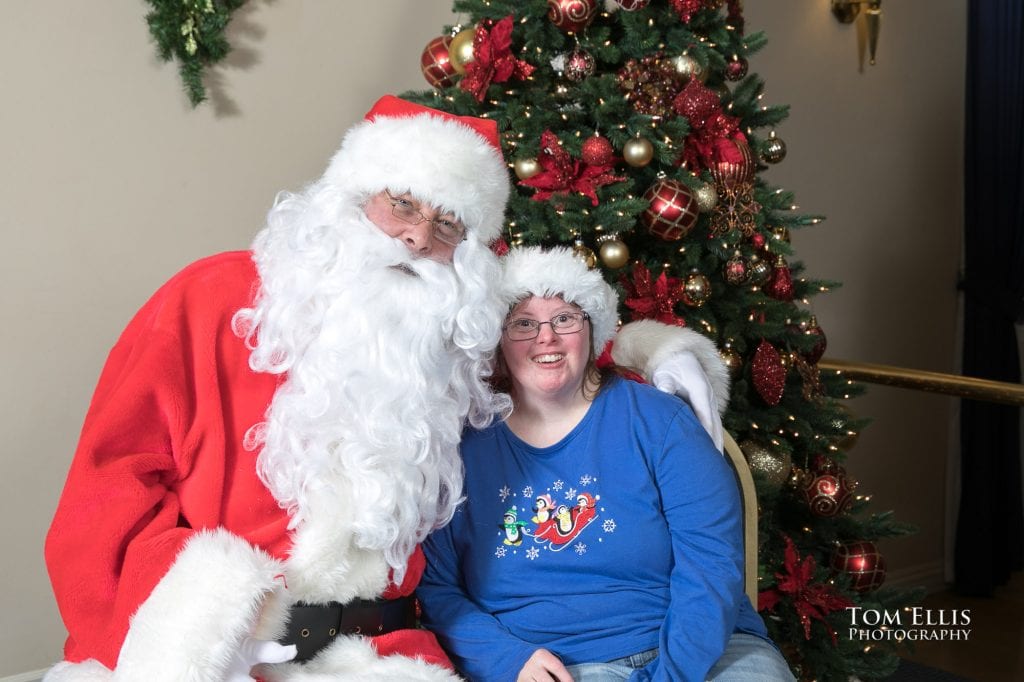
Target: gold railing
{"type": "Point", "coordinates": [936, 382]}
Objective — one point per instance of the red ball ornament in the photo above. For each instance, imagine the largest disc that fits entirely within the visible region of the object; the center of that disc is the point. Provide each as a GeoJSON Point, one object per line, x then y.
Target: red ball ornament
{"type": "Point", "coordinates": [597, 151]}
{"type": "Point", "coordinates": [733, 164]}
{"type": "Point", "coordinates": [735, 270]}
{"type": "Point", "coordinates": [632, 5]}
{"type": "Point", "coordinates": [672, 212]}
{"type": "Point", "coordinates": [829, 494]}
{"type": "Point", "coordinates": [818, 349]}
{"type": "Point", "coordinates": [862, 562]}
{"type": "Point", "coordinates": [736, 69]}
{"type": "Point", "coordinates": [757, 240]}
{"type": "Point", "coordinates": [572, 16]}
{"type": "Point", "coordinates": [435, 62]}
{"type": "Point", "coordinates": [579, 65]}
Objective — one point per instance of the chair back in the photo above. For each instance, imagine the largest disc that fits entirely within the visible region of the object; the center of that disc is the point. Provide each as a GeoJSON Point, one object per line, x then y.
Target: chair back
{"type": "Point", "coordinates": [748, 495]}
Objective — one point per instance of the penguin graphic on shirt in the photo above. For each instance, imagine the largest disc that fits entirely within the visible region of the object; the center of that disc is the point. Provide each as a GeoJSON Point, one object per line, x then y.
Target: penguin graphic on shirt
{"type": "Point", "coordinates": [567, 523]}
{"type": "Point", "coordinates": [543, 506]}
{"type": "Point", "coordinates": [513, 527]}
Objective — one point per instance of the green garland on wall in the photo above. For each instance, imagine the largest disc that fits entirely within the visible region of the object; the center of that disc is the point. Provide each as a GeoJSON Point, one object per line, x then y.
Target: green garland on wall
{"type": "Point", "coordinates": [192, 31]}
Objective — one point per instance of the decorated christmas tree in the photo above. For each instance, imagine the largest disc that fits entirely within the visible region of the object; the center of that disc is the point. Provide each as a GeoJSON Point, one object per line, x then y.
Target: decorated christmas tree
{"type": "Point", "coordinates": [636, 133]}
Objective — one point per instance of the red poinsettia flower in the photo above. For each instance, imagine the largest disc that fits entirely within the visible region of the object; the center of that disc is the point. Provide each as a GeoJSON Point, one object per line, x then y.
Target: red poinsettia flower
{"type": "Point", "coordinates": [562, 174]}
{"type": "Point", "coordinates": [653, 300]}
{"type": "Point", "coordinates": [493, 61]}
{"type": "Point", "coordinates": [811, 601]}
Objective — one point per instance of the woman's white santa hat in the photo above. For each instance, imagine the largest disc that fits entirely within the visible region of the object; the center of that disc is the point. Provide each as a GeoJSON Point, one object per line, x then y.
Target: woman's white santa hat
{"type": "Point", "coordinates": [534, 271]}
{"type": "Point", "coordinates": [453, 163]}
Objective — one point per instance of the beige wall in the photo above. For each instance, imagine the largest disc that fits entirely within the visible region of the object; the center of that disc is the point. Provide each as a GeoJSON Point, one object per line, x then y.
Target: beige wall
{"type": "Point", "coordinates": [110, 183]}
{"type": "Point", "coordinates": [878, 150]}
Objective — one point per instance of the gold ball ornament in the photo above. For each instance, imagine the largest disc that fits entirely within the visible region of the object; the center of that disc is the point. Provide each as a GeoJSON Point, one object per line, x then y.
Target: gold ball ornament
{"type": "Point", "coordinates": [696, 289]}
{"type": "Point", "coordinates": [638, 152]}
{"type": "Point", "coordinates": [584, 253]}
{"type": "Point", "coordinates": [774, 149]}
{"type": "Point", "coordinates": [774, 466]}
{"type": "Point", "coordinates": [526, 168]}
{"type": "Point", "coordinates": [759, 271]}
{"type": "Point", "coordinates": [614, 253]}
{"type": "Point", "coordinates": [732, 360]}
{"type": "Point", "coordinates": [688, 67]}
{"type": "Point", "coordinates": [460, 50]}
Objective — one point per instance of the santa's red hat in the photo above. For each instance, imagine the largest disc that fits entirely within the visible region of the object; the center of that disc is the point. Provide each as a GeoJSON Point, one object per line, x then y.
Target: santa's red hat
{"type": "Point", "coordinates": [450, 162]}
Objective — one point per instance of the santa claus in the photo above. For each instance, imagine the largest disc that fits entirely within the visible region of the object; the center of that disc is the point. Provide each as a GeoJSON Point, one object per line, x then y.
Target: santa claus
{"type": "Point", "coordinates": [276, 431]}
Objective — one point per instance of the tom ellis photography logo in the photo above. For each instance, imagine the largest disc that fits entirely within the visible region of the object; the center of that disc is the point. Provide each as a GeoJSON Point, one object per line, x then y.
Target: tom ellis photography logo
{"type": "Point", "coordinates": [913, 624]}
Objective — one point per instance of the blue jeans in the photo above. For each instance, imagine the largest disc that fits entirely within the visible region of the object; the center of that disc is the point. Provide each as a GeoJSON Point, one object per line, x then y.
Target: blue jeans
{"type": "Point", "coordinates": [747, 658]}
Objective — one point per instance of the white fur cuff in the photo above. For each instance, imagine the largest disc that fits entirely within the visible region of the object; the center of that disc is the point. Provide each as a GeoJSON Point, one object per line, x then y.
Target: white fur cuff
{"type": "Point", "coordinates": [195, 618]}
{"type": "Point", "coordinates": [644, 344]}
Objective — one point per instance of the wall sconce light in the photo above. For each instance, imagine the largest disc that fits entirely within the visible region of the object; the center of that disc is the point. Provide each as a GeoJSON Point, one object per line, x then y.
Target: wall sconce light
{"type": "Point", "coordinates": [847, 10]}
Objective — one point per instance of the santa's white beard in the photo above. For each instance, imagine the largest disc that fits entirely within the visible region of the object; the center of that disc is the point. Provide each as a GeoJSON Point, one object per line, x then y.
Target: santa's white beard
{"type": "Point", "coordinates": [361, 441]}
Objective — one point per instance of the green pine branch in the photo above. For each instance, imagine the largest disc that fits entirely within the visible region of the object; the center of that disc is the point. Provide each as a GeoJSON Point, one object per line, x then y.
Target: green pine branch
{"type": "Point", "coordinates": [191, 32]}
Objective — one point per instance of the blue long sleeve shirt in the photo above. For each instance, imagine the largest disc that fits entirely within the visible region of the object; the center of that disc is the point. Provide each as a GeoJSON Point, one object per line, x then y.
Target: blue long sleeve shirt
{"type": "Point", "coordinates": [624, 536]}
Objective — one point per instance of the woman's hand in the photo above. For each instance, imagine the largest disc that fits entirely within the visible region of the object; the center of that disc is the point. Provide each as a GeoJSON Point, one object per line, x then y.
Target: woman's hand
{"type": "Point", "coordinates": [544, 666]}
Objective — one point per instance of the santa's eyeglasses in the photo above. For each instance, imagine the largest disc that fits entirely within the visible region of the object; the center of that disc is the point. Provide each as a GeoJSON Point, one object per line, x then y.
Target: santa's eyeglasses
{"type": "Point", "coordinates": [524, 329]}
{"type": "Point", "coordinates": [446, 229]}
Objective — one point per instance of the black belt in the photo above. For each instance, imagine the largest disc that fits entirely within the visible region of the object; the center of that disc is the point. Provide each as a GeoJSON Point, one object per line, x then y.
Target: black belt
{"type": "Point", "coordinates": [311, 627]}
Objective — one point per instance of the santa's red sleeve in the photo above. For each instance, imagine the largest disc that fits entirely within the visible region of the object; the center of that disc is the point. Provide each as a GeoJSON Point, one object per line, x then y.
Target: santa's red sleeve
{"type": "Point", "coordinates": [139, 572]}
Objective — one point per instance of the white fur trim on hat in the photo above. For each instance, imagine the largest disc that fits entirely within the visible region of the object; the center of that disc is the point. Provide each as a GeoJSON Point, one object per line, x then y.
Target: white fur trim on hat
{"type": "Point", "coordinates": [533, 271]}
{"type": "Point", "coordinates": [437, 160]}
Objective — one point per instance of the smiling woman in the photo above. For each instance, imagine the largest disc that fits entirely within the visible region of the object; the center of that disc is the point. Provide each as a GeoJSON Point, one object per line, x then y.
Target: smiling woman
{"type": "Point", "coordinates": [612, 470]}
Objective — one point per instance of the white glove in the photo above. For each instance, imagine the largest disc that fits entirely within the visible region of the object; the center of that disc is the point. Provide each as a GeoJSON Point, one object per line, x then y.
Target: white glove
{"type": "Point", "coordinates": [682, 374]}
{"type": "Point", "coordinates": [253, 652]}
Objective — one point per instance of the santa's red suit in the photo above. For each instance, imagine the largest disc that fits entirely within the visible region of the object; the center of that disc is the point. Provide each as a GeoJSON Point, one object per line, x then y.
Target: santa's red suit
{"type": "Point", "coordinates": [180, 498]}
{"type": "Point", "coordinates": [280, 427]}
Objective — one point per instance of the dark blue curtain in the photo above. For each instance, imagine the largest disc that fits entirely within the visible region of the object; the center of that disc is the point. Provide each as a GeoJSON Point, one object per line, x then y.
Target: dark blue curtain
{"type": "Point", "coordinates": [990, 530]}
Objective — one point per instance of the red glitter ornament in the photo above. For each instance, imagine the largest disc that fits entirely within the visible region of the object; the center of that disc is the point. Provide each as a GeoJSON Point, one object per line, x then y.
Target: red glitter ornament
{"type": "Point", "coordinates": [781, 286]}
{"type": "Point", "coordinates": [672, 212]}
{"type": "Point", "coordinates": [650, 84]}
{"type": "Point", "coordinates": [597, 151]}
{"type": "Point", "coordinates": [435, 62]}
{"type": "Point", "coordinates": [572, 16]}
{"type": "Point", "coordinates": [769, 373]}
{"type": "Point", "coordinates": [862, 562]}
